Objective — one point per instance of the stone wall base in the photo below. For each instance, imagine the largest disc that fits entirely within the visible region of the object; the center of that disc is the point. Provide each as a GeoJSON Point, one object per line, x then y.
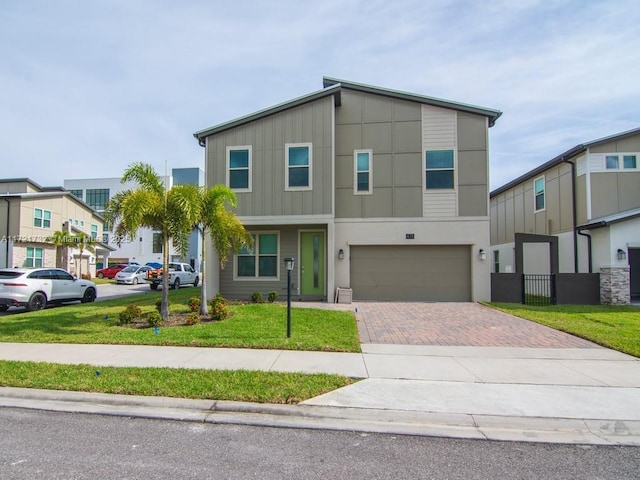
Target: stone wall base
{"type": "Point", "coordinates": [615, 286]}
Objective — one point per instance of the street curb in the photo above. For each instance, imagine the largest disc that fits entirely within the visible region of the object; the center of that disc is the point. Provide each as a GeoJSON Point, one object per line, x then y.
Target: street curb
{"type": "Point", "coordinates": [478, 427]}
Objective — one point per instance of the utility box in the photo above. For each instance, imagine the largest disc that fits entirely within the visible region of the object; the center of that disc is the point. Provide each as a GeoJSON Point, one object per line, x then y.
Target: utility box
{"type": "Point", "coordinates": [343, 295]}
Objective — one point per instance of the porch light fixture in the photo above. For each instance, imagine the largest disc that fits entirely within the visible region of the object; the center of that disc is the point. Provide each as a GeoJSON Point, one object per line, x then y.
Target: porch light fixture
{"type": "Point", "coordinates": [482, 254]}
{"type": "Point", "coordinates": [289, 262]}
{"type": "Point", "coordinates": [341, 254]}
{"type": "Point", "coordinates": [622, 255]}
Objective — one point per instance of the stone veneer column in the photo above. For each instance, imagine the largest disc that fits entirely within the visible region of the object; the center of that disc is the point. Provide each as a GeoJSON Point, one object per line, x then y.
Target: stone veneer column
{"type": "Point", "coordinates": [615, 286]}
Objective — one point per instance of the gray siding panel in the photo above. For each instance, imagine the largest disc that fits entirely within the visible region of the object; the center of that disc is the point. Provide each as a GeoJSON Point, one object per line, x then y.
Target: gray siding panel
{"type": "Point", "coordinates": [312, 123]}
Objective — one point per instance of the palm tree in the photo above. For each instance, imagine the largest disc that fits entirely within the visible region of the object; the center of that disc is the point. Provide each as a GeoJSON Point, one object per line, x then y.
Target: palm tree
{"type": "Point", "coordinates": [152, 204]}
{"type": "Point", "coordinates": [82, 242]}
{"type": "Point", "coordinates": [64, 240]}
{"type": "Point", "coordinates": [61, 240]}
{"type": "Point", "coordinates": [212, 217]}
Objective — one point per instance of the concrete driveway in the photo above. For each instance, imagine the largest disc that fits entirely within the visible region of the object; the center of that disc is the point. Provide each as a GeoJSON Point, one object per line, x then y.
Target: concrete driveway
{"type": "Point", "coordinates": [454, 324]}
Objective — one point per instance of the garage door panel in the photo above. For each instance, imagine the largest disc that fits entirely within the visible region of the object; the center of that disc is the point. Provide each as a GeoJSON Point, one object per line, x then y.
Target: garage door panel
{"type": "Point", "coordinates": [411, 273]}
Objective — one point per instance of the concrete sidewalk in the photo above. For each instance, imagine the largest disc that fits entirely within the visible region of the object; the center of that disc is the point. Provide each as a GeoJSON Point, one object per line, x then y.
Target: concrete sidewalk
{"type": "Point", "coordinates": [568, 395]}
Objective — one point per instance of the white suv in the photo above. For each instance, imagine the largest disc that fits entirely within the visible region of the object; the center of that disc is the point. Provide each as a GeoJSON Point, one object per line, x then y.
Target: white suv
{"type": "Point", "coordinates": [33, 288]}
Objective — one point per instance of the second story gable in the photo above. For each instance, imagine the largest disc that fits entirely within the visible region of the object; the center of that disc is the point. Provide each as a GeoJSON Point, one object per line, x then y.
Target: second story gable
{"type": "Point", "coordinates": [355, 151]}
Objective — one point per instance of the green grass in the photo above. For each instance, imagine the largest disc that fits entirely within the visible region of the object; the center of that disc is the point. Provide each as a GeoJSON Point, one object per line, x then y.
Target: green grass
{"type": "Point", "coordinates": [249, 326]}
{"type": "Point", "coordinates": [237, 385]}
{"type": "Point", "coordinates": [617, 327]}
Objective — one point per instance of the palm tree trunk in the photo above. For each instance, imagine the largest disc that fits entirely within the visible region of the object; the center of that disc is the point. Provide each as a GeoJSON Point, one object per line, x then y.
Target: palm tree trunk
{"type": "Point", "coordinates": [204, 309]}
{"type": "Point", "coordinates": [164, 306]}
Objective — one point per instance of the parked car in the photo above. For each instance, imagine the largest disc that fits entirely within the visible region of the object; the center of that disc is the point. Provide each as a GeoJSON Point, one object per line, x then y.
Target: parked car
{"type": "Point", "coordinates": [34, 288]}
{"type": "Point", "coordinates": [111, 270]}
{"type": "Point", "coordinates": [179, 274]}
{"type": "Point", "coordinates": [154, 265]}
{"type": "Point", "coordinates": [132, 275]}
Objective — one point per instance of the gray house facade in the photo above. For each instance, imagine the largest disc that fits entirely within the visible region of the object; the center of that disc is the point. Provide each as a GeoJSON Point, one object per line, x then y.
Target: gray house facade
{"type": "Point", "coordinates": [369, 189]}
{"type": "Point", "coordinates": [589, 198]}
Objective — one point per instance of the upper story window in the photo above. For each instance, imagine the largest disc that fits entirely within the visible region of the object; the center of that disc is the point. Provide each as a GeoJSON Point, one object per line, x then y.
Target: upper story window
{"type": "Point", "coordinates": [439, 169]}
{"type": "Point", "coordinates": [94, 231]}
{"type": "Point", "coordinates": [97, 198]}
{"type": "Point", "coordinates": [41, 218]}
{"type": "Point", "coordinates": [298, 159]}
{"type": "Point", "coordinates": [621, 162]}
{"type": "Point", "coordinates": [261, 261]}
{"type": "Point", "coordinates": [538, 188]}
{"type": "Point", "coordinates": [363, 172]}
{"type": "Point", "coordinates": [239, 168]}
{"type": "Point", "coordinates": [76, 193]}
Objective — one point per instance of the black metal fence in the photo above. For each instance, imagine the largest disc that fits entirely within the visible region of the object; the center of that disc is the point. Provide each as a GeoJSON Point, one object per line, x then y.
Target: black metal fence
{"type": "Point", "coordinates": [538, 289]}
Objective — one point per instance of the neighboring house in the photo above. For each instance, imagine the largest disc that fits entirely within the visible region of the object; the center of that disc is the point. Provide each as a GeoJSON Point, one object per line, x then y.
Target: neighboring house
{"type": "Point", "coordinates": [29, 216]}
{"type": "Point", "coordinates": [380, 191]}
{"type": "Point", "coordinates": [147, 244]}
{"type": "Point", "coordinates": [589, 198]}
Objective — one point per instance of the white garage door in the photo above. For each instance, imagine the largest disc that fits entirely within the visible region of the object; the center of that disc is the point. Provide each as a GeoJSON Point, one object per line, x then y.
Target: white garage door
{"type": "Point", "coordinates": [436, 273]}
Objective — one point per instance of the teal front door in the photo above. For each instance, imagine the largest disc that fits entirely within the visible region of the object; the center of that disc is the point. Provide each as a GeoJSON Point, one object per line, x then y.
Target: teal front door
{"type": "Point", "coordinates": [312, 263]}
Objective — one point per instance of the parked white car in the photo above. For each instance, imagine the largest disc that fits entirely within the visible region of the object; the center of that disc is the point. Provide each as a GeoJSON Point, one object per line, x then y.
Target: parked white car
{"type": "Point", "coordinates": [133, 274]}
{"type": "Point", "coordinates": [34, 288]}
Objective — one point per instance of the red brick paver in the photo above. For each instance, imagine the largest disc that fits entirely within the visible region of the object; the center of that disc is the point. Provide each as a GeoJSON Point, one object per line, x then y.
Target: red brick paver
{"type": "Point", "coordinates": [455, 324]}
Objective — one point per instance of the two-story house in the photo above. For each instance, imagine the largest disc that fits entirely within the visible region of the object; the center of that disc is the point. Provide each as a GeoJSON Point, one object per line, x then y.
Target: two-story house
{"type": "Point", "coordinates": [589, 198]}
{"type": "Point", "coordinates": [377, 190]}
{"type": "Point", "coordinates": [29, 216]}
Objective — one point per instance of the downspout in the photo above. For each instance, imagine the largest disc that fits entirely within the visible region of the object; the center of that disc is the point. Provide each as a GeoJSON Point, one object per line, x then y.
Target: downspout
{"type": "Point", "coordinates": [8, 233]}
{"type": "Point", "coordinates": [580, 232]}
{"type": "Point", "coordinates": [574, 215]}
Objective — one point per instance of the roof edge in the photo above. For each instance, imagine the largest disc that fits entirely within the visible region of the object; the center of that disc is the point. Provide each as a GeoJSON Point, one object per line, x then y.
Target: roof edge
{"type": "Point", "coordinates": [490, 113]}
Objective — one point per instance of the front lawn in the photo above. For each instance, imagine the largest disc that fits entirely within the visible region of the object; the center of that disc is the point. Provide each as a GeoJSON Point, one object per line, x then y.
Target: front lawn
{"type": "Point", "coordinates": [617, 327]}
{"type": "Point", "coordinates": [248, 326]}
{"type": "Point", "coordinates": [237, 385]}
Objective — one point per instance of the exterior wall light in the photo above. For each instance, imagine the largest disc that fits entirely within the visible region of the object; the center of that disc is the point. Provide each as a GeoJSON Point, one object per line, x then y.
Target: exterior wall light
{"type": "Point", "coordinates": [622, 255]}
{"type": "Point", "coordinates": [482, 254]}
{"type": "Point", "coordinates": [341, 254]}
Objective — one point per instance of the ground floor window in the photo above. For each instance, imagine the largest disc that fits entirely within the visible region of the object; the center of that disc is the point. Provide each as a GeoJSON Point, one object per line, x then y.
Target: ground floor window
{"type": "Point", "coordinates": [260, 261]}
{"type": "Point", "coordinates": [34, 257]}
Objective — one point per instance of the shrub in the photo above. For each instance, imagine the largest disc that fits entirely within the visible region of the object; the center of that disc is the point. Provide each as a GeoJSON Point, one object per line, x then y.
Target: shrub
{"type": "Point", "coordinates": [194, 304]}
{"type": "Point", "coordinates": [153, 318]}
{"type": "Point", "coordinates": [86, 276]}
{"type": "Point", "coordinates": [256, 297]}
{"type": "Point", "coordinates": [131, 312]}
{"type": "Point", "coordinates": [272, 297]}
{"type": "Point", "coordinates": [193, 318]}
{"type": "Point", "coordinates": [218, 308]}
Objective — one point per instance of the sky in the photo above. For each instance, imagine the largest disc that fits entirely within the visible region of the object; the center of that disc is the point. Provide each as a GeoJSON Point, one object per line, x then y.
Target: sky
{"type": "Point", "coordinates": [88, 87]}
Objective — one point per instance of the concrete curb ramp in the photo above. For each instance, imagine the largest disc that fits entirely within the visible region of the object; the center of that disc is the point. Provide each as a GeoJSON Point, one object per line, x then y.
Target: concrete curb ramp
{"type": "Point", "coordinates": [468, 426]}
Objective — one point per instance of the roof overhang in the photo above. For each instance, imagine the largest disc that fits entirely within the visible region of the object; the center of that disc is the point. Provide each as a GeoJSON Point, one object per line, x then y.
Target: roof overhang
{"type": "Point", "coordinates": [610, 219]}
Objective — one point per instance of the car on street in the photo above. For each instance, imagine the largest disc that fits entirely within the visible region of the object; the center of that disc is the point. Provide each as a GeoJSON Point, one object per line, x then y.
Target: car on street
{"type": "Point", "coordinates": [179, 274]}
{"type": "Point", "coordinates": [34, 288]}
{"type": "Point", "coordinates": [132, 275]}
{"type": "Point", "coordinates": [111, 270]}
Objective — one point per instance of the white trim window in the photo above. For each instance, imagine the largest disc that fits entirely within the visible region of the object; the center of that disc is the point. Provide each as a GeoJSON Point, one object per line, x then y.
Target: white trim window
{"type": "Point", "coordinates": [94, 231]}
{"type": "Point", "coordinates": [539, 194]}
{"type": "Point", "coordinates": [261, 261]}
{"type": "Point", "coordinates": [298, 166]}
{"type": "Point", "coordinates": [34, 257]}
{"type": "Point", "coordinates": [439, 170]}
{"type": "Point", "coordinates": [362, 172]}
{"type": "Point", "coordinates": [41, 218]}
{"type": "Point", "coordinates": [625, 161]}
{"type": "Point", "coordinates": [239, 168]}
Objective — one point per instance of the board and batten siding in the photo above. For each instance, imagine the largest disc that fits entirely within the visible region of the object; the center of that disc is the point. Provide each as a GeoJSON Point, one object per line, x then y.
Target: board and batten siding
{"type": "Point", "coordinates": [439, 132]}
{"type": "Point", "coordinates": [308, 123]}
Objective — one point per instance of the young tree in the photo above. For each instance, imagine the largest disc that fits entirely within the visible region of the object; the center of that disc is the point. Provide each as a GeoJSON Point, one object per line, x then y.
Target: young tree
{"type": "Point", "coordinates": [152, 204]}
{"type": "Point", "coordinates": [213, 217]}
{"type": "Point", "coordinates": [82, 242]}
{"type": "Point", "coordinates": [66, 240]}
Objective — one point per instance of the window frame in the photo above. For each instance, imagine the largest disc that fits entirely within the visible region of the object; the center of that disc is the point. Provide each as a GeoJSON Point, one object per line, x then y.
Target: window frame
{"type": "Point", "coordinates": [94, 231]}
{"type": "Point", "coordinates": [97, 193]}
{"type": "Point", "coordinates": [543, 193]}
{"type": "Point", "coordinates": [369, 171]}
{"type": "Point", "coordinates": [426, 170]}
{"type": "Point", "coordinates": [256, 255]}
{"type": "Point", "coordinates": [496, 261]}
{"type": "Point", "coordinates": [43, 221]}
{"type": "Point", "coordinates": [249, 167]}
{"type": "Point", "coordinates": [34, 257]}
{"type": "Point", "coordinates": [287, 167]}
{"type": "Point", "coordinates": [620, 162]}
